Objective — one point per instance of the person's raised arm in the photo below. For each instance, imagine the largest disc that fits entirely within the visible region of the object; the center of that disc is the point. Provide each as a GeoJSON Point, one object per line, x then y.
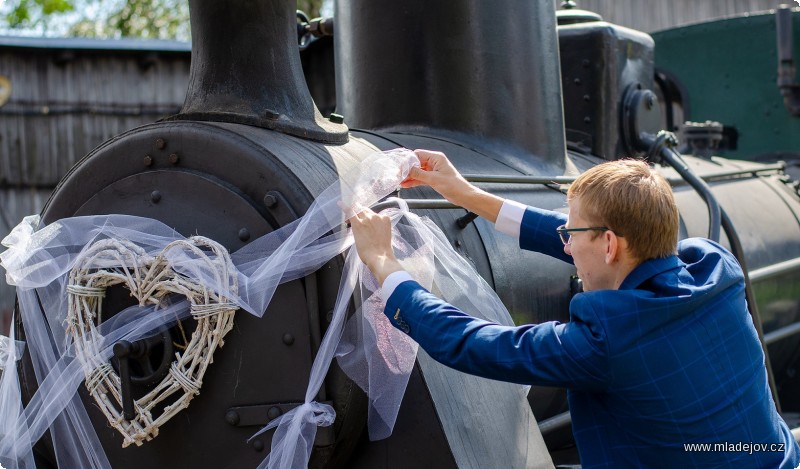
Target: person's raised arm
{"type": "Point", "coordinates": [534, 227]}
{"type": "Point", "coordinates": [437, 172]}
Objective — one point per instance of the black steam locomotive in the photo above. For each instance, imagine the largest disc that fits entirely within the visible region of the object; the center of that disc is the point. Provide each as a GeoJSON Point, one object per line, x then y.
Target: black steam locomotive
{"type": "Point", "coordinates": [519, 100]}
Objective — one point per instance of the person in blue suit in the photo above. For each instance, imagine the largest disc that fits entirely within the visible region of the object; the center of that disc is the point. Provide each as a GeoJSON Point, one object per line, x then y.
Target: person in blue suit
{"type": "Point", "coordinates": [660, 357]}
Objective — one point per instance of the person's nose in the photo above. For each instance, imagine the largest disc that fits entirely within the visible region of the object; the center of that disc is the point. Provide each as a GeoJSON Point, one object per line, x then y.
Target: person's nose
{"type": "Point", "coordinates": [568, 249]}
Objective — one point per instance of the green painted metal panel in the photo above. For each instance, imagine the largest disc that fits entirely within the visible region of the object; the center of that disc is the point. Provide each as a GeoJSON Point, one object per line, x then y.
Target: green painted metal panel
{"type": "Point", "coordinates": [729, 69]}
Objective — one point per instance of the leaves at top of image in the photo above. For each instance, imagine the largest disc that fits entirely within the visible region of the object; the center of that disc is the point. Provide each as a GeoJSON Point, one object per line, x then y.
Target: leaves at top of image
{"type": "Point", "coordinates": [26, 13]}
{"type": "Point", "coordinates": [147, 19]}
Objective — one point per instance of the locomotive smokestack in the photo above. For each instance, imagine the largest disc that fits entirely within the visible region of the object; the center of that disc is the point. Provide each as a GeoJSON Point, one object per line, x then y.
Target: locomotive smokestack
{"type": "Point", "coordinates": [246, 69]}
{"type": "Point", "coordinates": [480, 68]}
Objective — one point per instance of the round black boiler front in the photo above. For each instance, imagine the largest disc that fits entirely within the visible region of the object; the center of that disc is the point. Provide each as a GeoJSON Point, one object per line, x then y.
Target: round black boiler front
{"type": "Point", "coordinates": [232, 184]}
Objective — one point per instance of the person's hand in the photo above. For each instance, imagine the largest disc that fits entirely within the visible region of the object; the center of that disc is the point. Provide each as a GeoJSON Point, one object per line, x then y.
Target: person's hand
{"type": "Point", "coordinates": [373, 238]}
{"type": "Point", "coordinates": [437, 172]}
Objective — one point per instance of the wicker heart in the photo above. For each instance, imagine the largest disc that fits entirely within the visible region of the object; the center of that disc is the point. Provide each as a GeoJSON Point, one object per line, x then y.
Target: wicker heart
{"type": "Point", "coordinates": [112, 262]}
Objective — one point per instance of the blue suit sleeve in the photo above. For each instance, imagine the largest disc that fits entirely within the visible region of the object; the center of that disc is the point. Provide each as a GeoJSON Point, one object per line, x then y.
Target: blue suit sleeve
{"type": "Point", "coordinates": [550, 354]}
{"type": "Point", "coordinates": [537, 232]}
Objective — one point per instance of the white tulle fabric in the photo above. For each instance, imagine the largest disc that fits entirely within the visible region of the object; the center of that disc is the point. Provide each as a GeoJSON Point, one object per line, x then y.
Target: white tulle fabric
{"type": "Point", "coordinates": [378, 357]}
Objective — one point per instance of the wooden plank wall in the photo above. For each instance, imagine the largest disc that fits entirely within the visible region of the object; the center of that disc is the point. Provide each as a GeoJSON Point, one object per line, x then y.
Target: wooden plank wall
{"type": "Point", "coordinates": [655, 15]}
{"type": "Point", "coordinates": [63, 104]}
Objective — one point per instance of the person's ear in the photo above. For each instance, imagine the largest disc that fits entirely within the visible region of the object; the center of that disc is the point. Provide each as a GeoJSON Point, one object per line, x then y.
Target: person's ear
{"type": "Point", "coordinates": [612, 246]}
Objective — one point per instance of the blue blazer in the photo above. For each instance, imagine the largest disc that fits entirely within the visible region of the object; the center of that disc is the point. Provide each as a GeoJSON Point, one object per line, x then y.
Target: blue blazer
{"type": "Point", "coordinates": [670, 359]}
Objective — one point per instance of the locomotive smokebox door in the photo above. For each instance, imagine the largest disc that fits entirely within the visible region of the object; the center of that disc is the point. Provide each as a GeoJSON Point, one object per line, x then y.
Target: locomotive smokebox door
{"type": "Point", "coordinates": [208, 179]}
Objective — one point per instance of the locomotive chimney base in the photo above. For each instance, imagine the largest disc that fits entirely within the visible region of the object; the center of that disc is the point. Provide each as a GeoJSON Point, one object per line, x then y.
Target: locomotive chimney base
{"type": "Point", "coordinates": [246, 70]}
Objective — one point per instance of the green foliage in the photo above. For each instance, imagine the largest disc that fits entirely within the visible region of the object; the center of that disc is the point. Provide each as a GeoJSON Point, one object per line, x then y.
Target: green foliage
{"type": "Point", "coordinates": [30, 13]}
{"type": "Point", "coordinates": [150, 19]}
{"type": "Point", "coordinates": [147, 19]}
{"type": "Point", "coordinates": [55, 6]}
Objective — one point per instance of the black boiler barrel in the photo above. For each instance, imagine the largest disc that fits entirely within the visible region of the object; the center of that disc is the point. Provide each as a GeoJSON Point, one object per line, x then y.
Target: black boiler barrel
{"type": "Point", "coordinates": [486, 69]}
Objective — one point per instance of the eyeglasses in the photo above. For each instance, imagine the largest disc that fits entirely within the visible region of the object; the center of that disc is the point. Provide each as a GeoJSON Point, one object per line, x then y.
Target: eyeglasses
{"type": "Point", "coordinates": [566, 237]}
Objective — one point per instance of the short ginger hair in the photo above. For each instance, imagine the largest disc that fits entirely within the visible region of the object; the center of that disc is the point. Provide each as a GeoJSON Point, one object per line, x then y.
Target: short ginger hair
{"type": "Point", "coordinates": [632, 200]}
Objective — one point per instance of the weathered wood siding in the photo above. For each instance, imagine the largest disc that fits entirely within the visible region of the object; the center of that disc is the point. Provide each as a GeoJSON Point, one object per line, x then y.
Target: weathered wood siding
{"type": "Point", "coordinates": [655, 15]}
{"type": "Point", "coordinates": [67, 97]}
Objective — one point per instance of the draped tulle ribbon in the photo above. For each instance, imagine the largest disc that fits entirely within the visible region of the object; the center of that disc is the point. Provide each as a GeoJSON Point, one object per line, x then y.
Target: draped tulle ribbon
{"type": "Point", "coordinates": [374, 354]}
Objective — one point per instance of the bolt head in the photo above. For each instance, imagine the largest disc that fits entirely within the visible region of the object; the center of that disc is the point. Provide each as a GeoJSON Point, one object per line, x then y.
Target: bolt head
{"type": "Point", "coordinates": [270, 200]}
{"type": "Point", "coordinates": [160, 143]}
{"type": "Point", "coordinates": [148, 160]}
{"type": "Point", "coordinates": [274, 412]}
{"type": "Point", "coordinates": [288, 339]}
{"type": "Point", "coordinates": [650, 101]}
{"type": "Point", "coordinates": [232, 417]}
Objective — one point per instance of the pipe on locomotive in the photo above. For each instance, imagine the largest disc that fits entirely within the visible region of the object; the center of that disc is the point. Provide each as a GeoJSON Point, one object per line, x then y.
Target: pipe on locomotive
{"type": "Point", "coordinates": [660, 148]}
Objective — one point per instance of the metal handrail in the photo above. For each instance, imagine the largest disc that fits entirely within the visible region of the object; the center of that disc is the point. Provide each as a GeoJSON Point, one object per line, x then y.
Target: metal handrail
{"type": "Point", "coordinates": [544, 180]}
{"type": "Point", "coordinates": [554, 423]}
{"type": "Point", "coordinates": [774, 270]}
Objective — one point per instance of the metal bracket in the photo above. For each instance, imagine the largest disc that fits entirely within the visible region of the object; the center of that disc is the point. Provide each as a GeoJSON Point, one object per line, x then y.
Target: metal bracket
{"type": "Point", "coordinates": [261, 414]}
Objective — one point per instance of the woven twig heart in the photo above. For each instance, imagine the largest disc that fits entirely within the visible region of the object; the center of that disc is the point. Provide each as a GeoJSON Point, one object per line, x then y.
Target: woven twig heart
{"type": "Point", "coordinates": [112, 262]}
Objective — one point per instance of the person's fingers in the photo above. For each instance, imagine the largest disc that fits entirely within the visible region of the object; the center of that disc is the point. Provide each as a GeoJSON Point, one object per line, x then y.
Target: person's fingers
{"type": "Point", "coordinates": [419, 175]}
{"type": "Point", "coordinates": [422, 155]}
{"type": "Point", "coordinates": [429, 159]}
{"type": "Point", "coordinates": [409, 183]}
{"type": "Point", "coordinates": [355, 209]}
{"type": "Point", "coordinates": [358, 217]}
{"type": "Point", "coordinates": [344, 207]}
{"type": "Point", "coordinates": [361, 216]}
